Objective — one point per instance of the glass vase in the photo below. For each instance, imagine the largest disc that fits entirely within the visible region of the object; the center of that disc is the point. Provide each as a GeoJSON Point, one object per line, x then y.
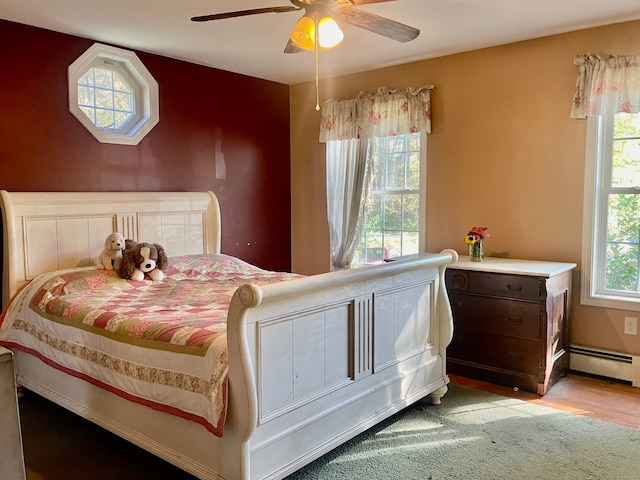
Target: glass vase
{"type": "Point", "coordinates": [476, 251]}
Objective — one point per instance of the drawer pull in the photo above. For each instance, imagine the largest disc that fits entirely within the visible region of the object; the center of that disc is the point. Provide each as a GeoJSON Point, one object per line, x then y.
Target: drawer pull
{"type": "Point", "coordinates": [514, 288]}
{"type": "Point", "coordinates": [515, 319]}
{"type": "Point", "coordinates": [515, 356]}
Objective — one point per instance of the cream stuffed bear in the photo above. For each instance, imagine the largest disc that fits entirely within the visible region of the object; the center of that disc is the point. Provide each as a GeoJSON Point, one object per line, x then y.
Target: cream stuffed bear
{"type": "Point", "coordinates": [111, 256]}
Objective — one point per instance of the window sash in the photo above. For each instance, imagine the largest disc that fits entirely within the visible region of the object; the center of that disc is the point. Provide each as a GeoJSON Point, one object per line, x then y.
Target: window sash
{"type": "Point", "coordinates": [597, 191]}
{"type": "Point", "coordinates": [420, 191]}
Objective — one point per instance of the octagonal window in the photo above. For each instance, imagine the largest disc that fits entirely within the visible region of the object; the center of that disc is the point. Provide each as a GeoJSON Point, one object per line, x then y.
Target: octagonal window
{"type": "Point", "coordinates": [105, 97]}
{"type": "Point", "coordinates": [113, 95]}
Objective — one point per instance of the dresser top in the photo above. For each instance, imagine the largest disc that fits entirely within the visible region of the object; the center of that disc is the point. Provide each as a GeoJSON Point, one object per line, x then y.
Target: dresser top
{"type": "Point", "coordinates": [513, 266]}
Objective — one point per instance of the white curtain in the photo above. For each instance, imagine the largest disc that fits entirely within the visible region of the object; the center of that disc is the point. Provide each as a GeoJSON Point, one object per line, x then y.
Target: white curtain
{"type": "Point", "coordinates": [346, 127]}
{"type": "Point", "coordinates": [606, 84]}
{"type": "Point", "coordinates": [348, 183]}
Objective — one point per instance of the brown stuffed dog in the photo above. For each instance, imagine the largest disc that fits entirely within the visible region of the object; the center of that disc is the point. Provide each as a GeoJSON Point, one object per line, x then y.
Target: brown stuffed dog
{"type": "Point", "coordinates": [143, 258]}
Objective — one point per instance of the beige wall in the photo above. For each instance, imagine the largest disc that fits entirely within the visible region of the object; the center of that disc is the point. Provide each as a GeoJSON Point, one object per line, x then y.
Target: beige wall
{"type": "Point", "coordinates": [503, 153]}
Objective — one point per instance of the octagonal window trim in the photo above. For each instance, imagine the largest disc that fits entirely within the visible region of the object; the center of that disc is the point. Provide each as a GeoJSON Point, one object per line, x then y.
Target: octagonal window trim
{"type": "Point", "coordinates": [128, 72]}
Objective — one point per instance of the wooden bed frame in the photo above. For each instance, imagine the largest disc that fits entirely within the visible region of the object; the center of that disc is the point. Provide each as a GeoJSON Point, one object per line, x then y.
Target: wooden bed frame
{"type": "Point", "coordinates": [312, 362]}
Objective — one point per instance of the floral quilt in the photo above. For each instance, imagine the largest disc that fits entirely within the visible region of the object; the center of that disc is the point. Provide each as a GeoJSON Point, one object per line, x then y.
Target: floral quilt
{"type": "Point", "coordinates": [162, 344]}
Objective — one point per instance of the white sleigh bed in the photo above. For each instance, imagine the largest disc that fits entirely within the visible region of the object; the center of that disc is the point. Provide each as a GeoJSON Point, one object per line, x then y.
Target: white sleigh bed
{"type": "Point", "coordinates": [312, 361]}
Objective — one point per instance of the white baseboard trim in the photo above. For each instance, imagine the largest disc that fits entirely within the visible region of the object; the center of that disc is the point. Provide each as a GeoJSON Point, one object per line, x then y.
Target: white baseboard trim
{"type": "Point", "coordinates": [605, 363]}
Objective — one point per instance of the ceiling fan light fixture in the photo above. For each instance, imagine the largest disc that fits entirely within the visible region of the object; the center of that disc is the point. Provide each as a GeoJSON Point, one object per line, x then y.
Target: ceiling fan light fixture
{"type": "Point", "coordinates": [329, 33]}
{"type": "Point", "coordinates": [304, 33]}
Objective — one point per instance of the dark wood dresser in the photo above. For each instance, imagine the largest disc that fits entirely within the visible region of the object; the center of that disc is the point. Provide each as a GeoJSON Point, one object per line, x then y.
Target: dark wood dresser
{"type": "Point", "coordinates": [511, 321]}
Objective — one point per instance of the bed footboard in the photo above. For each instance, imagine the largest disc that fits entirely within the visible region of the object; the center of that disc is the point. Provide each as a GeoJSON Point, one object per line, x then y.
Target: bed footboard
{"type": "Point", "coordinates": [316, 361]}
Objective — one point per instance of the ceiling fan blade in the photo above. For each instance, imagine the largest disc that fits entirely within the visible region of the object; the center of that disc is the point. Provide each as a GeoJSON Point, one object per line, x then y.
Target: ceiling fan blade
{"type": "Point", "coordinates": [291, 48]}
{"type": "Point", "coordinates": [365, 2]}
{"type": "Point", "coordinates": [377, 24]}
{"type": "Point", "coordinates": [243, 13]}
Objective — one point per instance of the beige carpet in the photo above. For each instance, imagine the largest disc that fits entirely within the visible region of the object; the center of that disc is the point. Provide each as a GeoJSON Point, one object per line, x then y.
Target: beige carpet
{"type": "Point", "coordinates": [473, 435]}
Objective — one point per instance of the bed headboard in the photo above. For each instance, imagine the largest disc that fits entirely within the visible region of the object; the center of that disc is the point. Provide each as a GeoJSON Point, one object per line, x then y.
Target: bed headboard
{"type": "Point", "coordinates": [45, 231]}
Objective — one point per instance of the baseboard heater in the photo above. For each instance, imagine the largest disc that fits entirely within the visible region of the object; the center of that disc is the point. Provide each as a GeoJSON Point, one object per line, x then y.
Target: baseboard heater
{"type": "Point", "coordinates": [620, 366]}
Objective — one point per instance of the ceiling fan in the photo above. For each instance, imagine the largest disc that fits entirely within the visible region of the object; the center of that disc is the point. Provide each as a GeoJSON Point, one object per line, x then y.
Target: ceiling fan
{"type": "Point", "coordinates": [342, 10]}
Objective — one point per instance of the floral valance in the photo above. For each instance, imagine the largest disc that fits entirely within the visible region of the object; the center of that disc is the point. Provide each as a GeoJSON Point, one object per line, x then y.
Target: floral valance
{"type": "Point", "coordinates": [385, 113]}
{"type": "Point", "coordinates": [606, 84]}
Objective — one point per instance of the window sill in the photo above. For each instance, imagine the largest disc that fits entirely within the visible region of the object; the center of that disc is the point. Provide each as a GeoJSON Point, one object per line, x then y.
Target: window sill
{"type": "Point", "coordinates": [611, 301]}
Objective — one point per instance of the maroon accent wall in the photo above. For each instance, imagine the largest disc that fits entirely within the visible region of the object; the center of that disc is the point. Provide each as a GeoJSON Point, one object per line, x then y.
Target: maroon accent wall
{"type": "Point", "coordinates": [218, 131]}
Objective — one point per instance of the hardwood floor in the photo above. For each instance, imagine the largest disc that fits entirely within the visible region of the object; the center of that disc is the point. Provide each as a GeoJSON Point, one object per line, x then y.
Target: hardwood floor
{"type": "Point", "coordinates": [601, 398]}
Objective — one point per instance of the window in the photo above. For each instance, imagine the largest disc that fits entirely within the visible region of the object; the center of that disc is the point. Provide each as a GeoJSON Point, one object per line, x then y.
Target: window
{"type": "Point", "coordinates": [395, 212]}
{"type": "Point", "coordinates": [105, 98]}
{"type": "Point", "coordinates": [113, 95]}
{"type": "Point", "coordinates": [611, 237]}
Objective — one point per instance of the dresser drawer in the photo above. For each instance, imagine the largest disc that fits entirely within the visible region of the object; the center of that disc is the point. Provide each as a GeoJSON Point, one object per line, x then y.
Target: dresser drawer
{"type": "Point", "coordinates": [493, 315]}
{"type": "Point", "coordinates": [495, 284]}
{"type": "Point", "coordinates": [506, 353]}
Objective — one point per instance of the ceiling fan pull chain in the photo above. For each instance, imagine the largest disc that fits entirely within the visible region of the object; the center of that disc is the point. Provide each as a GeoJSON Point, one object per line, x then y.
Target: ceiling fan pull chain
{"type": "Point", "coordinates": [316, 53]}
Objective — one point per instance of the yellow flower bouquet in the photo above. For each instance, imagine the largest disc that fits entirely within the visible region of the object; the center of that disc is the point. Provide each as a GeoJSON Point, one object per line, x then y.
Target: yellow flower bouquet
{"type": "Point", "coordinates": [474, 239]}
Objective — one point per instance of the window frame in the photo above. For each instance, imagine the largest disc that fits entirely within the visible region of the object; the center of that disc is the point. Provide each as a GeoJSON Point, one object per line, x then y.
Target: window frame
{"type": "Point", "coordinates": [422, 195]}
{"type": "Point", "coordinates": [145, 88]}
{"type": "Point", "coordinates": [598, 165]}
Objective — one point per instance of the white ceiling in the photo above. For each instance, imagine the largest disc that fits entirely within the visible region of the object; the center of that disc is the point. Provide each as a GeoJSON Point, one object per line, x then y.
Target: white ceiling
{"type": "Point", "coordinates": [254, 45]}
